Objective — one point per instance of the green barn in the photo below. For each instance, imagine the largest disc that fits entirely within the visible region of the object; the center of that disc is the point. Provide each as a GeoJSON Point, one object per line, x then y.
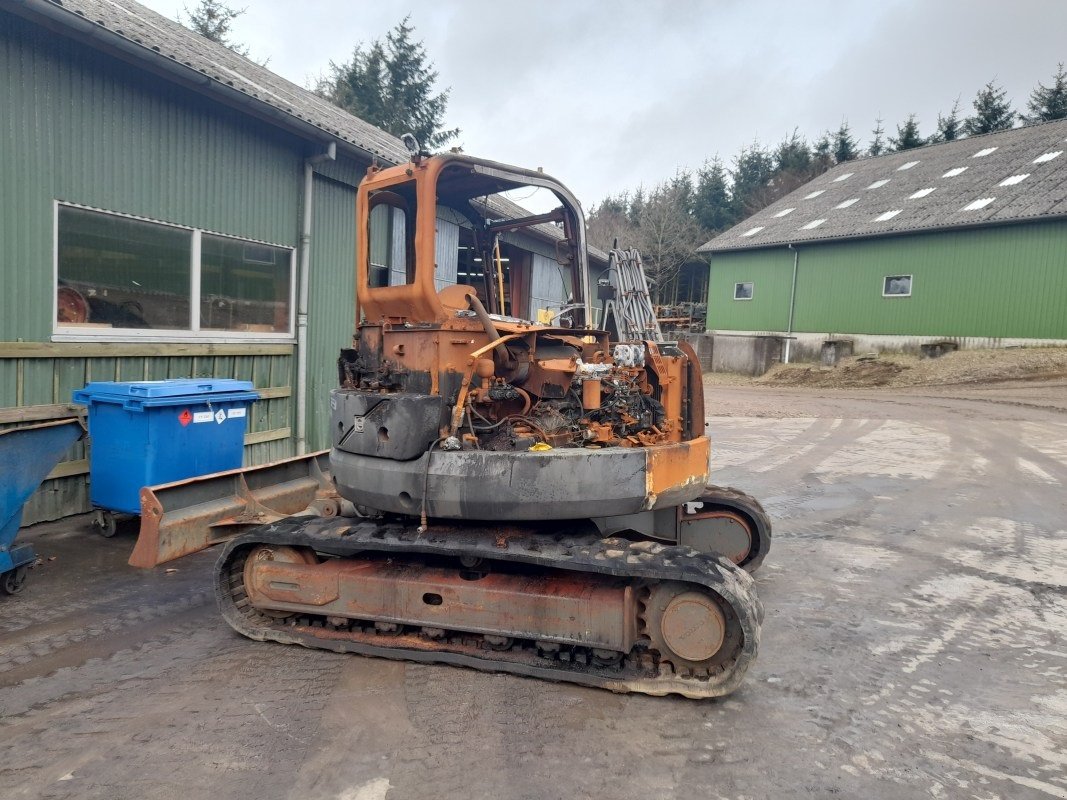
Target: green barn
{"type": "Point", "coordinates": [962, 242]}
{"type": "Point", "coordinates": [165, 204]}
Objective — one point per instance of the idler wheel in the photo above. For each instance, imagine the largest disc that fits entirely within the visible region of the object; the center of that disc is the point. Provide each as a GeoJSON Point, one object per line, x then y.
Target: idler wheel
{"type": "Point", "coordinates": [688, 627]}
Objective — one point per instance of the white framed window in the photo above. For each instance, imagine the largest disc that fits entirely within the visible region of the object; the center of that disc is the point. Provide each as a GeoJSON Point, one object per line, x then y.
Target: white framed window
{"type": "Point", "coordinates": [743, 290]}
{"type": "Point", "coordinates": [896, 286]}
{"type": "Point", "coordinates": [119, 277]}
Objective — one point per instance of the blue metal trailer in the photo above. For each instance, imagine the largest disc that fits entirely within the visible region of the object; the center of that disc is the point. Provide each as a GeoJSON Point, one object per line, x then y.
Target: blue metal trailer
{"type": "Point", "coordinates": [27, 455]}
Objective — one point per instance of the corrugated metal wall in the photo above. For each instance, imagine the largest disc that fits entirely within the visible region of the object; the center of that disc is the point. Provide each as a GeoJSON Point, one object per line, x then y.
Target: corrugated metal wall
{"type": "Point", "coordinates": [446, 253]}
{"type": "Point", "coordinates": [1002, 282]}
{"type": "Point", "coordinates": [769, 271]}
{"type": "Point", "coordinates": [81, 127]}
{"type": "Point", "coordinates": [549, 284]}
{"type": "Point", "coordinates": [331, 300]}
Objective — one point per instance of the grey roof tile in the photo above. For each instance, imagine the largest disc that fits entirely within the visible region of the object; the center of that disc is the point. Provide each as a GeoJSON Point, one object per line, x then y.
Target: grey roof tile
{"type": "Point", "coordinates": [1042, 194]}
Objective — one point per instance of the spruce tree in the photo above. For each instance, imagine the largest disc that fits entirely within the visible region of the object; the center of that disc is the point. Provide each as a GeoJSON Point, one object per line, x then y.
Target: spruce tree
{"type": "Point", "coordinates": [1047, 103]}
{"type": "Point", "coordinates": [907, 135]}
{"type": "Point", "coordinates": [712, 206]}
{"type": "Point", "coordinates": [877, 145]}
{"type": "Point", "coordinates": [752, 173]}
{"type": "Point", "coordinates": [948, 128]}
{"type": "Point", "coordinates": [391, 84]}
{"type": "Point", "coordinates": [992, 111]}
{"type": "Point", "coordinates": [844, 144]}
{"type": "Point", "coordinates": [822, 155]}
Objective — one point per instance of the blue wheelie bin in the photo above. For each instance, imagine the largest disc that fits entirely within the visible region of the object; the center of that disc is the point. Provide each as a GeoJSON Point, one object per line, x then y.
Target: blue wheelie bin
{"type": "Point", "coordinates": [143, 433]}
{"type": "Point", "coordinates": [27, 455]}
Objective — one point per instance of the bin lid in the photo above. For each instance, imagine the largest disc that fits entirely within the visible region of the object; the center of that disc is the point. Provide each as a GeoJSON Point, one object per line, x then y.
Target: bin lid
{"type": "Point", "coordinates": [119, 391]}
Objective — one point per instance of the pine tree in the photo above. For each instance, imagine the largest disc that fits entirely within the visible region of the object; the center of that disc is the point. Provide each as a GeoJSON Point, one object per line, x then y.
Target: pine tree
{"type": "Point", "coordinates": [213, 20]}
{"type": "Point", "coordinates": [877, 145]}
{"type": "Point", "coordinates": [907, 135]}
{"type": "Point", "coordinates": [844, 144]}
{"type": "Point", "coordinates": [390, 84]}
{"type": "Point", "coordinates": [992, 111]}
{"type": "Point", "coordinates": [948, 128]}
{"type": "Point", "coordinates": [1047, 103]}
{"type": "Point", "coordinates": [712, 207]}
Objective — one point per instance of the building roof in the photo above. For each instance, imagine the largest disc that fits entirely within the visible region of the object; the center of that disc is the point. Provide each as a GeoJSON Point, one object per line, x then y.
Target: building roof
{"type": "Point", "coordinates": [1010, 176]}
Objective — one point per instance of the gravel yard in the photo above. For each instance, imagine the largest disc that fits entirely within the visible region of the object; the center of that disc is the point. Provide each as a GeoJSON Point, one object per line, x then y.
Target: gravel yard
{"type": "Point", "coordinates": [915, 644]}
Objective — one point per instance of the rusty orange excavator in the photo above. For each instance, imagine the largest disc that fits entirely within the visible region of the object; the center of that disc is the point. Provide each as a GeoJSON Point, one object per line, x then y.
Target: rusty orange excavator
{"type": "Point", "coordinates": [528, 498]}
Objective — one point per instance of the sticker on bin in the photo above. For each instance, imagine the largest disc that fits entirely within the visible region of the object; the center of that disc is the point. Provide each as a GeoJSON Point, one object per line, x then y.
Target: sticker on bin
{"type": "Point", "coordinates": [185, 417]}
{"type": "Point", "coordinates": [203, 416]}
{"type": "Point", "coordinates": [235, 412]}
{"type": "Point", "coordinates": [220, 416]}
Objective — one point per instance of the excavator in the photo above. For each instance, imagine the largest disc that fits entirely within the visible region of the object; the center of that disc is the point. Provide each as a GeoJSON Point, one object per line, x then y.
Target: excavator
{"type": "Point", "coordinates": [524, 497]}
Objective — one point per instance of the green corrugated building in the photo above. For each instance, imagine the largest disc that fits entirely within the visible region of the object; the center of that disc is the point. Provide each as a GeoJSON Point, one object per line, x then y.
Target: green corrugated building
{"type": "Point", "coordinates": [161, 198]}
{"type": "Point", "coordinates": [964, 241]}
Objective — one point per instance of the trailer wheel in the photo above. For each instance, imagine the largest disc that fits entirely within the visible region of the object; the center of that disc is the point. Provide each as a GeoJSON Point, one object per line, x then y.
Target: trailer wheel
{"type": "Point", "coordinates": [13, 581]}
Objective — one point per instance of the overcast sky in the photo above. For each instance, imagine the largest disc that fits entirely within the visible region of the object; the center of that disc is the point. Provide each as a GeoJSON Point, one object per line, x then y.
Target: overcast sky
{"type": "Point", "coordinates": [607, 94]}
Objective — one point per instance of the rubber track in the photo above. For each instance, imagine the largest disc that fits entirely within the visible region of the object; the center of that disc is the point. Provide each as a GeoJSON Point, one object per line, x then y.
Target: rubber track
{"type": "Point", "coordinates": [730, 499]}
{"type": "Point", "coordinates": [582, 552]}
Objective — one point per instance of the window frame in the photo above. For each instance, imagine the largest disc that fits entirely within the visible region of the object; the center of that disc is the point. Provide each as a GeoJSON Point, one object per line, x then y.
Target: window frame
{"type": "Point", "coordinates": [752, 293]}
{"type": "Point", "coordinates": [911, 285]}
{"type": "Point", "coordinates": [194, 334]}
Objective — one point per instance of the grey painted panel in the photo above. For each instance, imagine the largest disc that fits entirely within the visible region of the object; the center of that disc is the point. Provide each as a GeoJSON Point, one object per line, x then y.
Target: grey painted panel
{"type": "Point", "coordinates": [447, 253]}
{"type": "Point", "coordinates": [549, 284]}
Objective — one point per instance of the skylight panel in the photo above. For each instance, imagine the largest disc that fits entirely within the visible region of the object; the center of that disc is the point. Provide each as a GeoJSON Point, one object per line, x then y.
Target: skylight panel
{"type": "Point", "coordinates": [1014, 179]}
{"type": "Point", "coordinates": [887, 215]}
{"type": "Point", "coordinates": [909, 165]}
{"type": "Point", "coordinates": [844, 177]}
{"type": "Point", "coordinates": [814, 194]}
{"type": "Point", "coordinates": [922, 193]}
{"type": "Point", "coordinates": [876, 184]}
{"type": "Point", "coordinates": [1047, 157]}
{"type": "Point", "coordinates": [815, 223]}
{"type": "Point", "coordinates": [753, 231]}
{"type": "Point", "coordinates": [981, 202]}
{"type": "Point", "coordinates": [848, 203]}
{"type": "Point", "coordinates": [785, 211]}
{"type": "Point", "coordinates": [952, 173]}
{"type": "Point", "coordinates": [983, 153]}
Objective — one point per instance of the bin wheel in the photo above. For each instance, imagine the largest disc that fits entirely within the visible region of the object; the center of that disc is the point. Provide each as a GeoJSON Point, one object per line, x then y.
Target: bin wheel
{"type": "Point", "coordinates": [104, 522]}
{"type": "Point", "coordinates": [13, 581]}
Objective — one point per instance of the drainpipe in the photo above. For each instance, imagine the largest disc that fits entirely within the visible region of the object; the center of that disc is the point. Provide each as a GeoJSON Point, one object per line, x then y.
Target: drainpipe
{"type": "Point", "coordinates": [302, 298]}
{"type": "Point", "coordinates": [792, 304]}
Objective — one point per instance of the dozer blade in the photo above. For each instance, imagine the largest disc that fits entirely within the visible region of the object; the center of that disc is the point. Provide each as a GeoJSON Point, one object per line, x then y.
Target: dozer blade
{"type": "Point", "coordinates": [188, 516]}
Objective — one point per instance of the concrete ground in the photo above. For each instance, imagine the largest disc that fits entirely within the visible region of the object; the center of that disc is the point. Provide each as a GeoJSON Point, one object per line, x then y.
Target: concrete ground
{"type": "Point", "coordinates": [915, 645]}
